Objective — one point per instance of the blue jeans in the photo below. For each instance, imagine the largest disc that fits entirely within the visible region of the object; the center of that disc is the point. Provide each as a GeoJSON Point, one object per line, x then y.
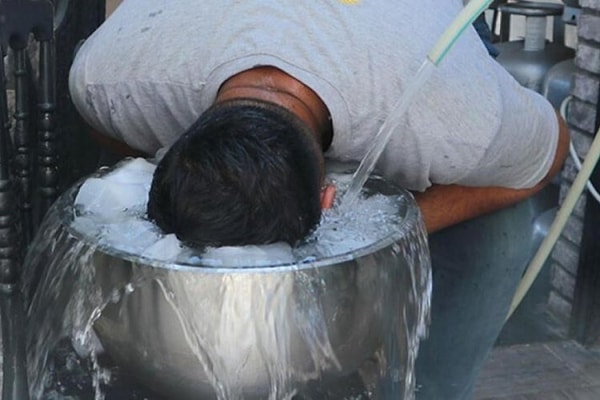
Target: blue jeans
{"type": "Point", "coordinates": [483, 30]}
{"type": "Point", "coordinates": [477, 266]}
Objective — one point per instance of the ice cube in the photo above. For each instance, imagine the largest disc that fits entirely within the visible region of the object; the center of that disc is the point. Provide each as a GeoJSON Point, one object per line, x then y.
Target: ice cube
{"type": "Point", "coordinates": [166, 249]}
{"type": "Point", "coordinates": [107, 198]}
{"type": "Point", "coordinates": [249, 256]}
{"type": "Point", "coordinates": [137, 171]}
{"type": "Point", "coordinates": [130, 234]}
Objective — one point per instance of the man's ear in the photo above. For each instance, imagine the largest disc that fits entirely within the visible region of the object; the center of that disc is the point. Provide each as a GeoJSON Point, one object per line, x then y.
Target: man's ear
{"type": "Point", "coordinates": [327, 196]}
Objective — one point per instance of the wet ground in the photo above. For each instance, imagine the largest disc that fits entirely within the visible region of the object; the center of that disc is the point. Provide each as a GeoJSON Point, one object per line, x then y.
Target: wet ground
{"type": "Point", "coordinates": [562, 370]}
{"type": "Point", "coordinates": [533, 360]}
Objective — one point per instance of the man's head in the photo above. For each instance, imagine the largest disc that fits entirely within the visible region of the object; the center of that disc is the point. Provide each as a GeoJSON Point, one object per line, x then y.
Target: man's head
{"type": "Point", "coordinates": [246, 172]}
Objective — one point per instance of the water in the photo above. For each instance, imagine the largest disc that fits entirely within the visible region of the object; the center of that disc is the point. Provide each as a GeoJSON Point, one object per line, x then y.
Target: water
{"type": "Point", "coordinates": [307, 328]}
{"type": "Point", "coordinates": [111, 210]}
{"type": "Point", "coordinates": [389, 126]}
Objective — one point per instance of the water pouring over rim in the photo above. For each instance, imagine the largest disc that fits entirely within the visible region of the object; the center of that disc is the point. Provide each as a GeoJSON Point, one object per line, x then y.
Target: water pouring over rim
{"type": "Point", "coordinates": [329, 315]}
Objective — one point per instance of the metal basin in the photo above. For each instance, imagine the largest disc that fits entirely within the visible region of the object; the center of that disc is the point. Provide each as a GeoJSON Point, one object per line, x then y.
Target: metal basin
{"type": "Point", "coordinates": [194, 331]}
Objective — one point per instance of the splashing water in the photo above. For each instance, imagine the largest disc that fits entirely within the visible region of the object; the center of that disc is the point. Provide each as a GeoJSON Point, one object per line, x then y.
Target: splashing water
{"type": "Point", "coordinates": [341, 320]}
{"type": "Point", "coordinates": [389, 126]}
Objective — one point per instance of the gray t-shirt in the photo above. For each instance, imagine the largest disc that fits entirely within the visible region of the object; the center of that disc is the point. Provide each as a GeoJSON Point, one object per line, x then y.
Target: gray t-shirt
{"type": "Point", "coordinates": [155, 65]}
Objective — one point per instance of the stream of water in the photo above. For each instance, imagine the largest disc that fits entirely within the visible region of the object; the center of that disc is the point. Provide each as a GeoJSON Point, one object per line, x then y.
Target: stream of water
{"type": "Point", "coordinates": [303, 329]}
{"type": "Point", "coordinates": [390, 125]}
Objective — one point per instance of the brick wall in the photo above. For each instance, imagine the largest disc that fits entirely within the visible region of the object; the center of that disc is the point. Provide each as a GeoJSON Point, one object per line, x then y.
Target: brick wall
{"type": "Point", "coordinates": [581, 119]}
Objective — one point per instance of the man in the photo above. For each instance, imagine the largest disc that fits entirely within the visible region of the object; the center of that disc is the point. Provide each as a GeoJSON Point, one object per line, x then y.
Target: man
{"type": "Point", "coordinates": [249, 96]}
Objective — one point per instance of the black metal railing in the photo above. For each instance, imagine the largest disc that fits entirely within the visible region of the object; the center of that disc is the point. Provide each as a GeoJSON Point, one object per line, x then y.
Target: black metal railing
{"type": "Point", "coordinates": [19, 21]}
{"type": "Point", "coordinates": [39, 139]}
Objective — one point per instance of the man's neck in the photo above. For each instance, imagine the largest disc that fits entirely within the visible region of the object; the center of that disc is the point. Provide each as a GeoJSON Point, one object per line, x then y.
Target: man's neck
{"type": "Point", "coordinates": [275, 86]}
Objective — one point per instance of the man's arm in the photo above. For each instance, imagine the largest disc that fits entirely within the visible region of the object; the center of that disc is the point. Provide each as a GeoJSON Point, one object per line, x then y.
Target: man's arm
{"type": "Point", "coordinates": [446, 205]}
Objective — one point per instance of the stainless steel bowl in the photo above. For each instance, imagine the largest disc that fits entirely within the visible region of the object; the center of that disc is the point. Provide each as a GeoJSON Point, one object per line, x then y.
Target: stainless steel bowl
{"type": "Point", "coordinates": [193, 331]}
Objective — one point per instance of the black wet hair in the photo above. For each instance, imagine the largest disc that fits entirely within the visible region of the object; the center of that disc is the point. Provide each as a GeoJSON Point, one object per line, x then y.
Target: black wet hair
{"type": "Point", "coordinates": [246, 172]}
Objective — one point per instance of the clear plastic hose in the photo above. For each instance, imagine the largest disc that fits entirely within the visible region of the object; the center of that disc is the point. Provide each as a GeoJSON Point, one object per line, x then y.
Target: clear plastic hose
{"type": "Point", "coordinates": [464, 19]}
{"type": "Point", "coordinates": [559, 223]}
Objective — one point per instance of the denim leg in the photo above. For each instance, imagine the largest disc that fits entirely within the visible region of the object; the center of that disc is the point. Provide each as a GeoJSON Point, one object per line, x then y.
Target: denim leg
{"type": "Point", "coordinates": [476, 268]}
{"type": "Point", "coordinates": [483, 30]}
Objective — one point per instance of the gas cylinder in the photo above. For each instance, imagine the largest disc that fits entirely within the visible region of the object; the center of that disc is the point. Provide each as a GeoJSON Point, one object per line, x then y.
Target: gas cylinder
{"type": "Point", "coordinates": [558, 82]}
{"type": "Point", "coordinates": [530, 59]}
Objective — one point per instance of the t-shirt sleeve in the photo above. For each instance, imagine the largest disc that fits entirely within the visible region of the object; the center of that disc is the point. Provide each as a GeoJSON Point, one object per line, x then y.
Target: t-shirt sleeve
{"type": "Point", "coordinates": [523, 149]}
